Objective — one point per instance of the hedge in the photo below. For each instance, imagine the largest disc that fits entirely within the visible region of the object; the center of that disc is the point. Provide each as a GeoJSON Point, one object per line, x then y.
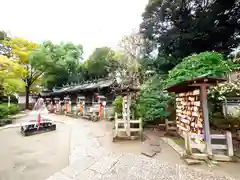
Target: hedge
{"type": "Point", "coordinates": [5, 111]}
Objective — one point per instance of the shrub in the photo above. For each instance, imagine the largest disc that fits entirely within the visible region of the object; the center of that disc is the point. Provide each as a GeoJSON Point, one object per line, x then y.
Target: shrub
{"type": "Point", "coordinates": [206, 63]}
{"type": "Point", "coordinates": [14, 109]}
{"type": "Point", "coordinates": [153, 101]}
{"type": "Point", "coordinates": [117, 103]}
{"type": "Point", "coordinates": [5, 110]}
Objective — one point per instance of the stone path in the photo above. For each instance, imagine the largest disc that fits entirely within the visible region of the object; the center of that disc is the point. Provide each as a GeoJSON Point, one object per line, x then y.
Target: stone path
{"type": "Point", "coordinates": [88, 160]}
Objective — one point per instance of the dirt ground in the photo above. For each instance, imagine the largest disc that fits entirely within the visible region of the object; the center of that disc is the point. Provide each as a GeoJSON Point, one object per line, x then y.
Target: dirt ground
{"type": "Point", "coordinates": [33, 157]}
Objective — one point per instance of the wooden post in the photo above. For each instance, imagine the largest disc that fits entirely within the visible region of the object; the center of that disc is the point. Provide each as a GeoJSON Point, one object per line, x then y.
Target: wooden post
{"type": "Point", "coordinates": [128, 114]}
{"type": "Point", "coordinates": [124, 113]}
{"type": "Point", "coordinates": [70, 106]}
{"type": "Point", "coordinates": [207, 135]}
{"type": "Point", "coordinates": [166, 125]}
{"type": "Point", "coordinates": [141, 129]}
{"type": "Point", "coordinates": [187, 140]}
{"type": "Point", "coordinates": [84, 108]}
{"type": "Point", "coordinates": [116, 125]}
{"type": "Point", "coordinates": [229, 144]}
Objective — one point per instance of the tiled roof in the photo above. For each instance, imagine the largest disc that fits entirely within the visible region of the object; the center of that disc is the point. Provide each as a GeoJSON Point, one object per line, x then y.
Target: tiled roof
{"type": "Point", "coordinates": [98, 85]}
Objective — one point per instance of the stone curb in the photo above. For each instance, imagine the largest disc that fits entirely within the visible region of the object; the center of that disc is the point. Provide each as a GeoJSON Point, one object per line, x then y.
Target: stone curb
{"type": "Point", "coordinates": [13, 118]}
{"type": "Point", "coordinates": [19, 125]}
{"type": "Point", "coordinates": [10, 126]}
{"type": "Point", "coordinates": [180, 151]}
{"type": "Point", "coordinates": [175, 146]}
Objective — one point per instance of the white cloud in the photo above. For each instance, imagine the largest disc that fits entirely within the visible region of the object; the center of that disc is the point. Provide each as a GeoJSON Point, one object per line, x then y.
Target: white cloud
{"type": "Point", "coordinates": [92, 23]}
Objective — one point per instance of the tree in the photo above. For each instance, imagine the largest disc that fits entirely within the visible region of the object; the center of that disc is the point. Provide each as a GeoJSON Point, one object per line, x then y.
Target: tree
{"type": "Point", "coordinates": [181, 28]}
{"type": "Point", "coordinates": [59, 62]}
{"type": "Point", "coordinates": [206, 63]}
{"type": "Point", "coordinates": [153, 102]}
{"type": "Point", "coordinates": [101, 62]}
{"type": "Point", "coordinates": [21, 50]}
{"type": "Point", "coordinates": [10, 71]}
{"type": "Point", "coordinates": [133, 48]}
{"type": "Point", "coordinates": [232, 86]}
{"type": "Point", "coordinates": [5, 51]}
{"type": "Point", "coordinates": [2, 35]}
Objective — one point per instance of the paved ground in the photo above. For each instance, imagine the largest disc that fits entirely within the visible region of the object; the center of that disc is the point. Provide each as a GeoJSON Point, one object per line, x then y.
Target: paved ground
{"type": "Point", "coordinates": [34, 157]}
{"type": "Point", "coordinates": [92, 156]}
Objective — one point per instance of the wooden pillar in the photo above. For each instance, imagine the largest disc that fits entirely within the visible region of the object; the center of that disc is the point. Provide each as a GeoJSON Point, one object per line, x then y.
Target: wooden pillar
{"type": "Point", "coordinates": [124, 106]}
{"type": "Point", "coordinates": [128, 113]}
{"type": "Point", "coordinates": [125, 113]}
{"type": "Point", "coordinates": [207, 135]}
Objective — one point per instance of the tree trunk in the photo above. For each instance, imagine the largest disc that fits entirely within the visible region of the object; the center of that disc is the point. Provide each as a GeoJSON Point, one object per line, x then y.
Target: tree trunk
{"type": "Point", "coordinates": [27, 97]}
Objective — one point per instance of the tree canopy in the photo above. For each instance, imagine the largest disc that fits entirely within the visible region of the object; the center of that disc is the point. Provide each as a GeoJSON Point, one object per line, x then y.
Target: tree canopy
{"type": "Point", "coordinates": [101, 62]}
{"type": "Point", "coordinates": [209, 63]}
{"type": "Point", "coordinates": [181, 28]}
{"type": "Point", "coordinates": [59, 62]}
{"type": "Point", "coordinates": [10, 71]}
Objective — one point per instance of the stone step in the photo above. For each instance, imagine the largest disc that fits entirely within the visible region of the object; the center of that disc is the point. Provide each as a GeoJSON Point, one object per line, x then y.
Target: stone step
{"type": "Point", "coordinates": [192, 161]}
{"type": "Point", "coordinates": [172, 128]}
{"type": "Point", "coordinates": [154, 142]}
{"type": "Point", "coordinates": [156, 149]}
{"type": "Point", "coordinates": [148, 153]}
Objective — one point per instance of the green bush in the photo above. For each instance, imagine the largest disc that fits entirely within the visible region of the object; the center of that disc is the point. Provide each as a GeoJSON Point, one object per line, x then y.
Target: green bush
{"type": "Point", "coordinates": [14, 109]}
{"type": "Point", "coordinates": [153, 102]}
{"type": "Point", "coordinates": [206, 63]}
{"type": "Point", "coordinates": [117, 103]}
{"type": "Point", "coordinates": [5, 110]}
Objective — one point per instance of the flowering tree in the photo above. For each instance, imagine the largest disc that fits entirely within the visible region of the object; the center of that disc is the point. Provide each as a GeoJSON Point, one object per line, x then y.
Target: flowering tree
{"type": "Point", "coordinates": [232, 86]}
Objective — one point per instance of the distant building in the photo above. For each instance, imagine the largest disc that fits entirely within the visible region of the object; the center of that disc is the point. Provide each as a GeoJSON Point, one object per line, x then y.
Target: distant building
{"type": "Point", "coordinates": [22, 100]}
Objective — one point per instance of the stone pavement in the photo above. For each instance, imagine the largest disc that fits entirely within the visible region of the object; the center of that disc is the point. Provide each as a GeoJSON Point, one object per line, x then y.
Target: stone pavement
{"type": "Point", "coordinates": [88, 160]}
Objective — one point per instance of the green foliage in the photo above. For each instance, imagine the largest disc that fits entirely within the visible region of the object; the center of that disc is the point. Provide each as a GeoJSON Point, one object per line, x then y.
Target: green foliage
{"type": "Point", "coordinates": [101, 62]}
{"type": "Point", "coordinates": [5, 110]}
{"type": "Point", "coordinates": [229, 88]}
{"type": "Point", "coordinates": [13, 109]}
{"type": "Point", "coordinates": [59, 62]}
{"type": "Point", "coordinates": [181, 28]}
{"type": "Point", "coordinates": [220, 91]}
{"type": "Point", "coordinates": [153, 101]}
{"type": "Point", "coordinates": [117, 103]}
{"type": "Point", "coordinates": [206, 63]}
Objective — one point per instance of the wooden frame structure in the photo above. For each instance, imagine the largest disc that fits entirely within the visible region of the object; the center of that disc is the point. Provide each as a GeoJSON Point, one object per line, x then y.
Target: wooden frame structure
{"type": "Point", "coordinates": [125, 127]}
{"type": "Point", "coordinates": [192, 113]}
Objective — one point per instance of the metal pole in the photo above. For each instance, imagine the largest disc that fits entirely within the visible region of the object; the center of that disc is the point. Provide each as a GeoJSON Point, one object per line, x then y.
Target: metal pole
{"type": "Point", "coordinates": [207, 134]}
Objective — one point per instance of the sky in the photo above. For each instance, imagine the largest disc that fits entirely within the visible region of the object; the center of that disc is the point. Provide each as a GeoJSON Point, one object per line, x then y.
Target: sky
{"type": "Point", "coordinates": [91, 23]}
